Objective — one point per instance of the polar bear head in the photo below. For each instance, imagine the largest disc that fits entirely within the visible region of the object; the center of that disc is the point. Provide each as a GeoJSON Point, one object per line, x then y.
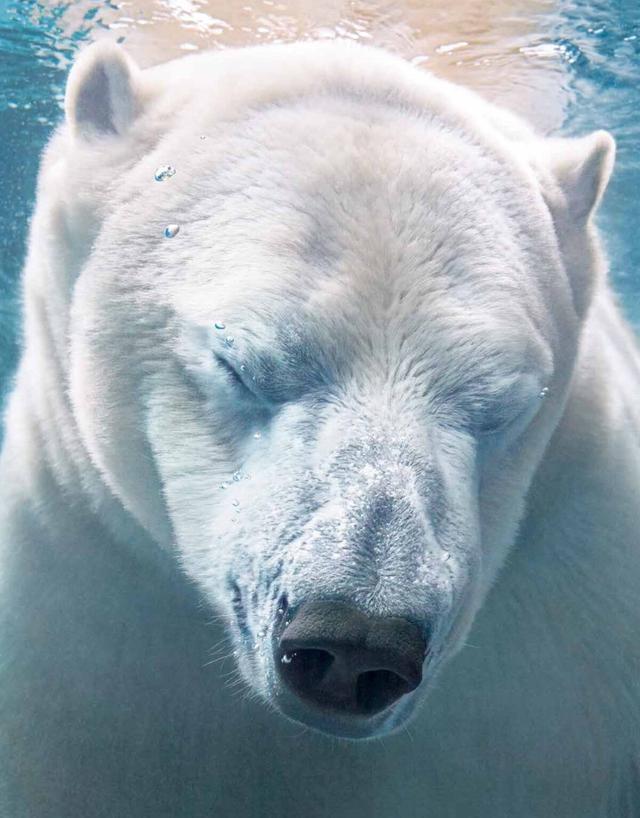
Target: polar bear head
{"type": "Point", "coordinates": [321, 360]}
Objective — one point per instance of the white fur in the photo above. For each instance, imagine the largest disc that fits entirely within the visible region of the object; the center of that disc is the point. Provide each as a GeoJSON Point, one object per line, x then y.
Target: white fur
{"type": "Point", "coordinates": [404, 270]}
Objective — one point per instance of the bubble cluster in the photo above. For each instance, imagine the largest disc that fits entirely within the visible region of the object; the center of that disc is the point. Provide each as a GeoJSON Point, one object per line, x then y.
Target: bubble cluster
{"type": "Point", "coordinates": [164, 172]}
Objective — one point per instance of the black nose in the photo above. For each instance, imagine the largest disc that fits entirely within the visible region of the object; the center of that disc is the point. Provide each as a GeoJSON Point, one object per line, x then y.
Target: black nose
{"type": "Point", "coordinates": [337, 658]}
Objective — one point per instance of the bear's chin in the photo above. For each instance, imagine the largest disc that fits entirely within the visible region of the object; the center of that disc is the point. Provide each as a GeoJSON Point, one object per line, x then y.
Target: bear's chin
{"type": "Point", "coordinates": [349, 728]}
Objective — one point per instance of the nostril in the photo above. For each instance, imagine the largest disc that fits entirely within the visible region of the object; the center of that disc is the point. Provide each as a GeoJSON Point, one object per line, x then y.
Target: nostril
{"type": "Point", "coordinates": [377, 689]}
{"type": "Point", "coordinates": [305, 668]}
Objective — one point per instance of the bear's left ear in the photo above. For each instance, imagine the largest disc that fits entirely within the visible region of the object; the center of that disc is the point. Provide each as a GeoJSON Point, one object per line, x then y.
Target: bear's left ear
{"type": "Point", "coordinates": [103, 96]}
{"type": "Point", "coordinates": [581, 168]}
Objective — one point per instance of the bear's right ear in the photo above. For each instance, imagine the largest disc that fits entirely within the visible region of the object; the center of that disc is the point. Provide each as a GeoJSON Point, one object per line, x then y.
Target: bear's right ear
{"type": "Point", "coordinates": [102, 96]}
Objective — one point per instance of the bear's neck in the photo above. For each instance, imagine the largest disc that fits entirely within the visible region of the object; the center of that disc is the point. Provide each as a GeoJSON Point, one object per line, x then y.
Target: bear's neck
{"type": "Point", "coordinates": [591, 468]}
{"type": "Point", "coordinates": [575, 563]}
{"type": "Point", "coordinates": [44, 461]}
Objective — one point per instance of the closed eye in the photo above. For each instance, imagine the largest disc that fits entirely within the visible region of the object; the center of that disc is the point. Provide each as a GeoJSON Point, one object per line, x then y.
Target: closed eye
{"type": "Point", "coordinates": [232, 374]}
{"type": "Point", "coordinates": [493, 424]}
{"type": "Point", "coordinates": [513, 412]}
{"type": "Point", "coordinates": [501, 407]}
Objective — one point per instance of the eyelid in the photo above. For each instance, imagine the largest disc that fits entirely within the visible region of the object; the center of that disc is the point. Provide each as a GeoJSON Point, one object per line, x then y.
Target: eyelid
{"type": "Point", "coordinates": [503, 424]}
{"type": "Point", "coordinates": [251, 390]}
{"type": "Point", "coordinates": [231, 371]}
{"type": "Point", "coordinates": [520, 419]}
{"type": "Point", "coordinates": [507, 408]}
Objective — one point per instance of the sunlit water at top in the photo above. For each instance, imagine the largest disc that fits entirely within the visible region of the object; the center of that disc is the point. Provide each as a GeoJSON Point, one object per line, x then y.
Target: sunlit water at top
{"type": "Point", "coordinates": [570, 66]}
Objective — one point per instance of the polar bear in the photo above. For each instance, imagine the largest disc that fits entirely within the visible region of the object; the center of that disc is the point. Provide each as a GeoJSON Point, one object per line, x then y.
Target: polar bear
{"type": "Point", "coordinates": [326, 425]}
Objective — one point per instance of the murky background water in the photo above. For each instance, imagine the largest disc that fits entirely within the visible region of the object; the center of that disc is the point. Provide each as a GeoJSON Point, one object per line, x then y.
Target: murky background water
{"type": "Point", "coordinates": [567, 65]}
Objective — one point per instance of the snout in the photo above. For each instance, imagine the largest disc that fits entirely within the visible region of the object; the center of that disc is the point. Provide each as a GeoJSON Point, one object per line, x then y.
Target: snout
{"type": "Point", "coordinates": [338, 661]}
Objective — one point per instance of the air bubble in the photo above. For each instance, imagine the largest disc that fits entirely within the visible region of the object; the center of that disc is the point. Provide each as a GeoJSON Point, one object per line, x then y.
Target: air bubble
{"type": "Point", "coordinates": [237, 476]}
{"type": "Point", "coordinates": [257, 435]}
{"type": "Point", "coordinates": [543, 392]}
{"type": "Point", "coordinates": [235, 503]}
{"type": "Point", "coordinates": [229, 340]}
{"type": "Point", "coordinates": [242, 368]}
{"type": "Point", "coordinates": [287, 658]}
{"type": "Point", "coordinates": [171, 230]}
{"type": "Point", "coordinates": [164, 172]}
{"type": "Point", "coordinates": [220, 325]}
{"type": "Point", "coordinates": [224, 485]}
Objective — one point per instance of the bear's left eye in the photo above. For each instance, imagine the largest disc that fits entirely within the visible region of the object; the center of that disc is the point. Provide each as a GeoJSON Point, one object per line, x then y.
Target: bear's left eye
{"type": "Point", "coordinates": [493, 423]}
{"type": "Point", "coordinates": [511, 412]}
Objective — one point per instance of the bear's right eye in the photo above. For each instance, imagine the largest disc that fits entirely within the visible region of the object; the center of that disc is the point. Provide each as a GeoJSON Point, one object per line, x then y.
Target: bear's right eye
{"type": "Point", "coordinates": [232, 373]}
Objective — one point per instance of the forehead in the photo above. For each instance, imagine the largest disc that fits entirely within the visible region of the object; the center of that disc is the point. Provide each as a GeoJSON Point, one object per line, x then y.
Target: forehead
{"type": "Point", "coordinates": [357, 215]}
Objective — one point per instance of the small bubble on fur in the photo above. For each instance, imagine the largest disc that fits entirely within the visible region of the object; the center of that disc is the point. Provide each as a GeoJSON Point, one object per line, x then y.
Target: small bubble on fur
{"type": "Point", "coordinates": [171, 230]}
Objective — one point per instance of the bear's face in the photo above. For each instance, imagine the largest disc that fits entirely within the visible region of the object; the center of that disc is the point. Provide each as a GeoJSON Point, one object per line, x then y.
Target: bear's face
{"type": "Point", "coordinates": [338, 378]}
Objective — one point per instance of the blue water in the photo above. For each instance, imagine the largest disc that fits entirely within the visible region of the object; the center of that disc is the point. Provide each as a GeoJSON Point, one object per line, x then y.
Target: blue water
{"type": "Point", "coordinates": [597, 44]}
{"type": "Point", "coordinates": [603, 43]}
{"type": "Point", "coordinates": [35, 58]}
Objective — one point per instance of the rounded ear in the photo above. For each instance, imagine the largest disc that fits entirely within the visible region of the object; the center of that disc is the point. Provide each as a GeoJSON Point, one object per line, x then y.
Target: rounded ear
{"type": "Point", "coordinates": [581, 168]}
{"type": "Point", "coordinates": [102, 96]}
{"type": "Point", "coordinates": [573, 174]}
